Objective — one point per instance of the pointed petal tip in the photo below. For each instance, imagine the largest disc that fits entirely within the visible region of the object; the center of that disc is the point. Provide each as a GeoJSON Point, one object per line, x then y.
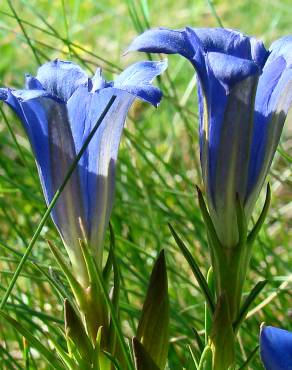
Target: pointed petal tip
{"type": "Point", "coordinates": [162, 40]}
{"type": "Point", "coordinates": [136, 79]}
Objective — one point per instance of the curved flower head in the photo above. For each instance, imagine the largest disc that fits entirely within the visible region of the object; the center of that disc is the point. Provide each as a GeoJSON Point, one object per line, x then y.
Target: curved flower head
{"type": "Point", "coordinates": [58, 110]}
{"type": "Point", "coordinates": [244, 96]}
{"type": "Point", "coordinates": [276, 348]}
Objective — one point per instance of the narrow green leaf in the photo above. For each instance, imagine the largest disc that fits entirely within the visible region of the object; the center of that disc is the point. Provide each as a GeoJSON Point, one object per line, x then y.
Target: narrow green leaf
{"type": "Point", "coordinates": [206, 359]}
{"type": "Point", "coordinates": [75, 286]}
{"type": "Point", "coordinates": [256, 229]}
{"type": "Point", "coordinates": [107, 268]}
{"type": "Point", "coordinates": [55, 283]}
{"type": "Point", "coordinates": [113, 360]}
{"type": "Point", "coordinates": [247, 303]}
{"type": "Point", "coordinates": [97, 349]}
{"type": "Point", "coordinates": [25, 353]}
{"type": "Point", "coordinates": [195, 269]}
{"type": "Point", "coordinates": [194, 357]}
{"type": "Point", "coordinates": [66, 359]}
{"type": "Point", "coordinates": [143, 361]}
{"type": "Point", "coordinates": [198, 340]}
{"type": "Point", "coordinates": [155, 315]}
{"type": "Point", "coordinates": [249, 359]}
{"type": "Point", "coordinates": [33, 341]}
{"type": "Point", "coordinates": [208, 315]}
{"type": "Point", "coordinates": [212, 234]}
{"type": "Point", "coordinates": [70, 364]}
{"type": "Point", "coordinates": [214, 12]}
{"type": "Point", "coordinates": [145, 12]}
{"type": "Point", "coordinates": [91, 266]}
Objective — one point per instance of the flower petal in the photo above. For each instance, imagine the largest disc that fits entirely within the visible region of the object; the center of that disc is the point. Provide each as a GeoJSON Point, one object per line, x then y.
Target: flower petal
{"type": "Point", "coordinates": [55, 154]}
{"type": "Point", "coordinates": [97, 166]}
{"type": "Point", "coordinates": [137, 79]}
{"type": "Point", "coordinates": [35, 125]}
{"type": "Point", "coordinates": [283, 48]}
{"type": "Point", "coordinates": [33, 83]}
{"type": "Point", "coordinates": [232, 43]}
{"type": "Point", "coordinates": [230, 70]}
{"type": "Point", "coordinates": [47, 127]}
{"type": "Point", "coordinates": [61, 78]}
{"type": "Point", "coordinates": [228, 65]}
{"type": "Point", "coordinates": [276, 348]}
{"type": "Point", "coordinates": [162, 40]}
{"type": "Point", "coordinates": [228, 142]}
{"type": "Point", "coordinates": [273, 101]}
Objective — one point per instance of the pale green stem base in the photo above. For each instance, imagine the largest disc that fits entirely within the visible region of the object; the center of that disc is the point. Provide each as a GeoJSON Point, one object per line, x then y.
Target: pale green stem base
{"type": "Point", "coordinates": [230, 274]}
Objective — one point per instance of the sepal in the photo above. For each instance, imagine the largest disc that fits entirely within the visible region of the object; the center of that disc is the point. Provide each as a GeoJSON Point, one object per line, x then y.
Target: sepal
{"type": "Point", "coordinates": [152, 329]}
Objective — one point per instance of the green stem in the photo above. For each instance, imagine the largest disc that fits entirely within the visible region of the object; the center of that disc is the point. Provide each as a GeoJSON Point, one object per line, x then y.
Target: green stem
{"type": "Point", "coordinates": [231, 277]}
{"type": "Point", "coordinates": [53, 202]}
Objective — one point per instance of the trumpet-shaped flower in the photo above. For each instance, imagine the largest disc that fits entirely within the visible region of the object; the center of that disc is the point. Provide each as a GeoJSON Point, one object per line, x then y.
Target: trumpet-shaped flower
{"type": "Point", "coordinates": [276, 348]}
{"type": "Point", "coordinates": [244, 95]}
{"type": "Point", "coordinates": [58, 110]}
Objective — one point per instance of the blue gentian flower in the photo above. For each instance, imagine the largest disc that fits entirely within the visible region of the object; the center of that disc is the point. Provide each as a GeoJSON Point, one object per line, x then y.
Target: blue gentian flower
{"type": "Point", "coordinates": [244, 95]}
{"type": "Point", "coordinates": [58, 109]}
{"type": "Point", "coordinates": [276, 348]}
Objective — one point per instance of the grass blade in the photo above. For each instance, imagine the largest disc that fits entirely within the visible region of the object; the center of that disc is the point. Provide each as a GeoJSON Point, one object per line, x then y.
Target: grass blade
{"type": "Point", "coordinates": [48, 355]}
{"type": "Point", "coordinates": [248, 302]}
{"type": "Point", "coordinates": [195, 269]}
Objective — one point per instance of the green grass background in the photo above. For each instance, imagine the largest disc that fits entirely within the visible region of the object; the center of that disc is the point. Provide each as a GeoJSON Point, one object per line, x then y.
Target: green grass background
{"type": "Point", "coordinates": [157, 170]}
